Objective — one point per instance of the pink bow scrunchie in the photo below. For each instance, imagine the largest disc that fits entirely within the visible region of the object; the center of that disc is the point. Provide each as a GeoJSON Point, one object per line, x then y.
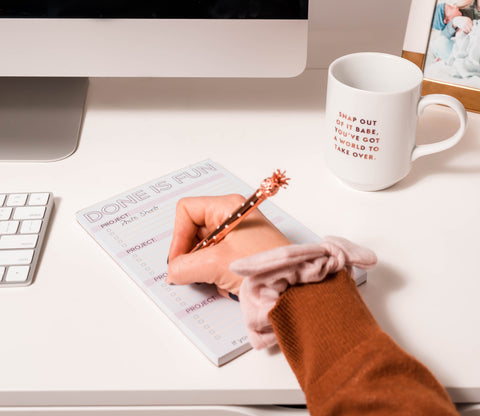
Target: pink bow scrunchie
{"type": "Point", "coordinates": [270, 273]}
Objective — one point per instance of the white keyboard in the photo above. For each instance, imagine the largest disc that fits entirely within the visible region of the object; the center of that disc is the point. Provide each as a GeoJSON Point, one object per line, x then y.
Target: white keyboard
{"type": "Point", "coordinates": [23, 222]}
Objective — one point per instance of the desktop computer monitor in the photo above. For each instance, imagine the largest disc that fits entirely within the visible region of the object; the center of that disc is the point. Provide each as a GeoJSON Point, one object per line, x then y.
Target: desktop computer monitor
{"type": "Point", "coordinates": [49, 48]}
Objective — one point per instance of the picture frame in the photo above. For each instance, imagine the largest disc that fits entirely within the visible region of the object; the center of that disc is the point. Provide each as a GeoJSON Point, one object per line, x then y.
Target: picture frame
{"type": "Point", "coordinates": [449, 64]}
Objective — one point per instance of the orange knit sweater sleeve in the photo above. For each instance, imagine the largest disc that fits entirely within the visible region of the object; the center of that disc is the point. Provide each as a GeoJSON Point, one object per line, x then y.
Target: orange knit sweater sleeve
{"type": "Point", "coordinates": [344, 362]}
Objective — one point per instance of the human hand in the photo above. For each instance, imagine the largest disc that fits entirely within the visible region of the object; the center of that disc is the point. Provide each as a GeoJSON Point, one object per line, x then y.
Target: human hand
{"type": "Point", "coordinates": [195, 218]}
{"type": "Point", "coordinates": [463, 23]}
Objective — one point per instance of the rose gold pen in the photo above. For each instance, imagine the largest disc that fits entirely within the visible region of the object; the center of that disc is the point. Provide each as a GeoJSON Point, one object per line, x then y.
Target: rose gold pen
{"type": "Point", "coordinates": [268, 187]}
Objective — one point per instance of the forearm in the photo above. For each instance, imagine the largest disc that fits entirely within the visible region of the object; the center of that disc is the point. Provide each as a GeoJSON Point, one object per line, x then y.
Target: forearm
{"type": "Point", "coordinates": [449, 30]}
{"type": "Point", "coordinates": [342, 359]}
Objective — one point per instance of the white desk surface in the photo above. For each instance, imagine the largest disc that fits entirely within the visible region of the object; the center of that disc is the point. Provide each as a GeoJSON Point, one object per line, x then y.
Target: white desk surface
{"type": "Point", "coordinates": [84, 334]}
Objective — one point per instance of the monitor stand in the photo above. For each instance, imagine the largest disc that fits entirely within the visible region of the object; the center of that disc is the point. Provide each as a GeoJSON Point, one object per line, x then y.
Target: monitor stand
{"type": "Point", "coordinates": [41, 117]}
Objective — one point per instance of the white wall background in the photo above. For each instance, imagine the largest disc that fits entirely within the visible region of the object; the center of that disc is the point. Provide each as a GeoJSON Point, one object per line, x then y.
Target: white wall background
{"type": "Point", "coordinates": [344, 26]}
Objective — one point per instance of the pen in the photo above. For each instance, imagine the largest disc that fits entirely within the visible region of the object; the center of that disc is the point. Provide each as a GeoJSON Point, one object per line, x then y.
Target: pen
{"type": "Point", "coordinates": [268, 187]}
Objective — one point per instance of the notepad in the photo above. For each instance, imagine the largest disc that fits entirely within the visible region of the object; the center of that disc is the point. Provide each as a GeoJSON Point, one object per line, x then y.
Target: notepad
{"type": "Point", "coordinates": [135, 228]}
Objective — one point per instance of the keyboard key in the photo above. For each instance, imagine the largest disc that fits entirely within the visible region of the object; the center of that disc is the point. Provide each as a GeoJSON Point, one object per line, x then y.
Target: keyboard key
{"type": "Point", "coordinates": [16, 200]}
{"type": "Point", "coordinates": [18, 241]}
{"type": "Point", "coordinates": [30, 227]}
{"type": "Point", "coordinates": [17, 274]}
{"type": "Point", "coordinates": [29, 213]}
{"type": "Point", "coordinates": [8, 227]}
{"type": "Point", "coordinates": [39, 198]}
{"type": "Point", "coordinates": [24, 219]}
{"type": "Point", "coordinates": [5, 213]}
{"type": "Point", "coordinates": [15, 257]}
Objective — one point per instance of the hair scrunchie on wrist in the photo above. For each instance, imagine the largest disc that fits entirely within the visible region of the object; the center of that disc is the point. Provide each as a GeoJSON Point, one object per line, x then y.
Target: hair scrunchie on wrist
{"type": "Point", "coordinates": [270, 273]}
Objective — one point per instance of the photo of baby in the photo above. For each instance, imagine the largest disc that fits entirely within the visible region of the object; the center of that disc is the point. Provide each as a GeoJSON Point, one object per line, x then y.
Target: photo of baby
{"type": "Point", "coordinates": [453, 54]}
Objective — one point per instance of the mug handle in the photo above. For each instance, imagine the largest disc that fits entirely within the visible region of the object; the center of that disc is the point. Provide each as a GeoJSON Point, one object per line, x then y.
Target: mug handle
{"type": "Point", "coordinates": [454, 104]}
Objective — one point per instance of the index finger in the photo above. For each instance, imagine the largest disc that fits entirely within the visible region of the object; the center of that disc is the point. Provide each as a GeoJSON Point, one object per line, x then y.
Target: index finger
{"type": "Point", "coordinates": [195, 217]}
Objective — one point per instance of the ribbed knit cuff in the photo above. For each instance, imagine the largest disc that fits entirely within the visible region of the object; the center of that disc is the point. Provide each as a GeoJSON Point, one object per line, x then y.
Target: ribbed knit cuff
{"type": "Point", "coordinates": [317, 324]}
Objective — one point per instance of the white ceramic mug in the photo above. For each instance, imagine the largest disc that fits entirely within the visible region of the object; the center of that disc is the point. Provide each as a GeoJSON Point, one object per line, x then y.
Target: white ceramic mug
{"type": "Point", "coordinates": [373, 104]}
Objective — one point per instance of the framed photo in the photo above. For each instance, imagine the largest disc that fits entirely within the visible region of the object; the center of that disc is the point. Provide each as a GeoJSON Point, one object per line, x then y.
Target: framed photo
{"type": "Point", "coordinates": [443, 39]}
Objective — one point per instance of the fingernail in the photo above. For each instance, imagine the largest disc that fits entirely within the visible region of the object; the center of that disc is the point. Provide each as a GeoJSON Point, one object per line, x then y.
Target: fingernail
{"type": "Point", "coordinates": [233, 296]}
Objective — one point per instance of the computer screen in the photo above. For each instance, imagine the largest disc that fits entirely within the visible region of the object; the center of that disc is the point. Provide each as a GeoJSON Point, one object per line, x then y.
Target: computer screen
{"type": "Point", "coordinates": [178, 38]}
{"type": "Point", "coordinates": [148, 9]}
{"type": "Point", "coordinates": [75, 39]}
